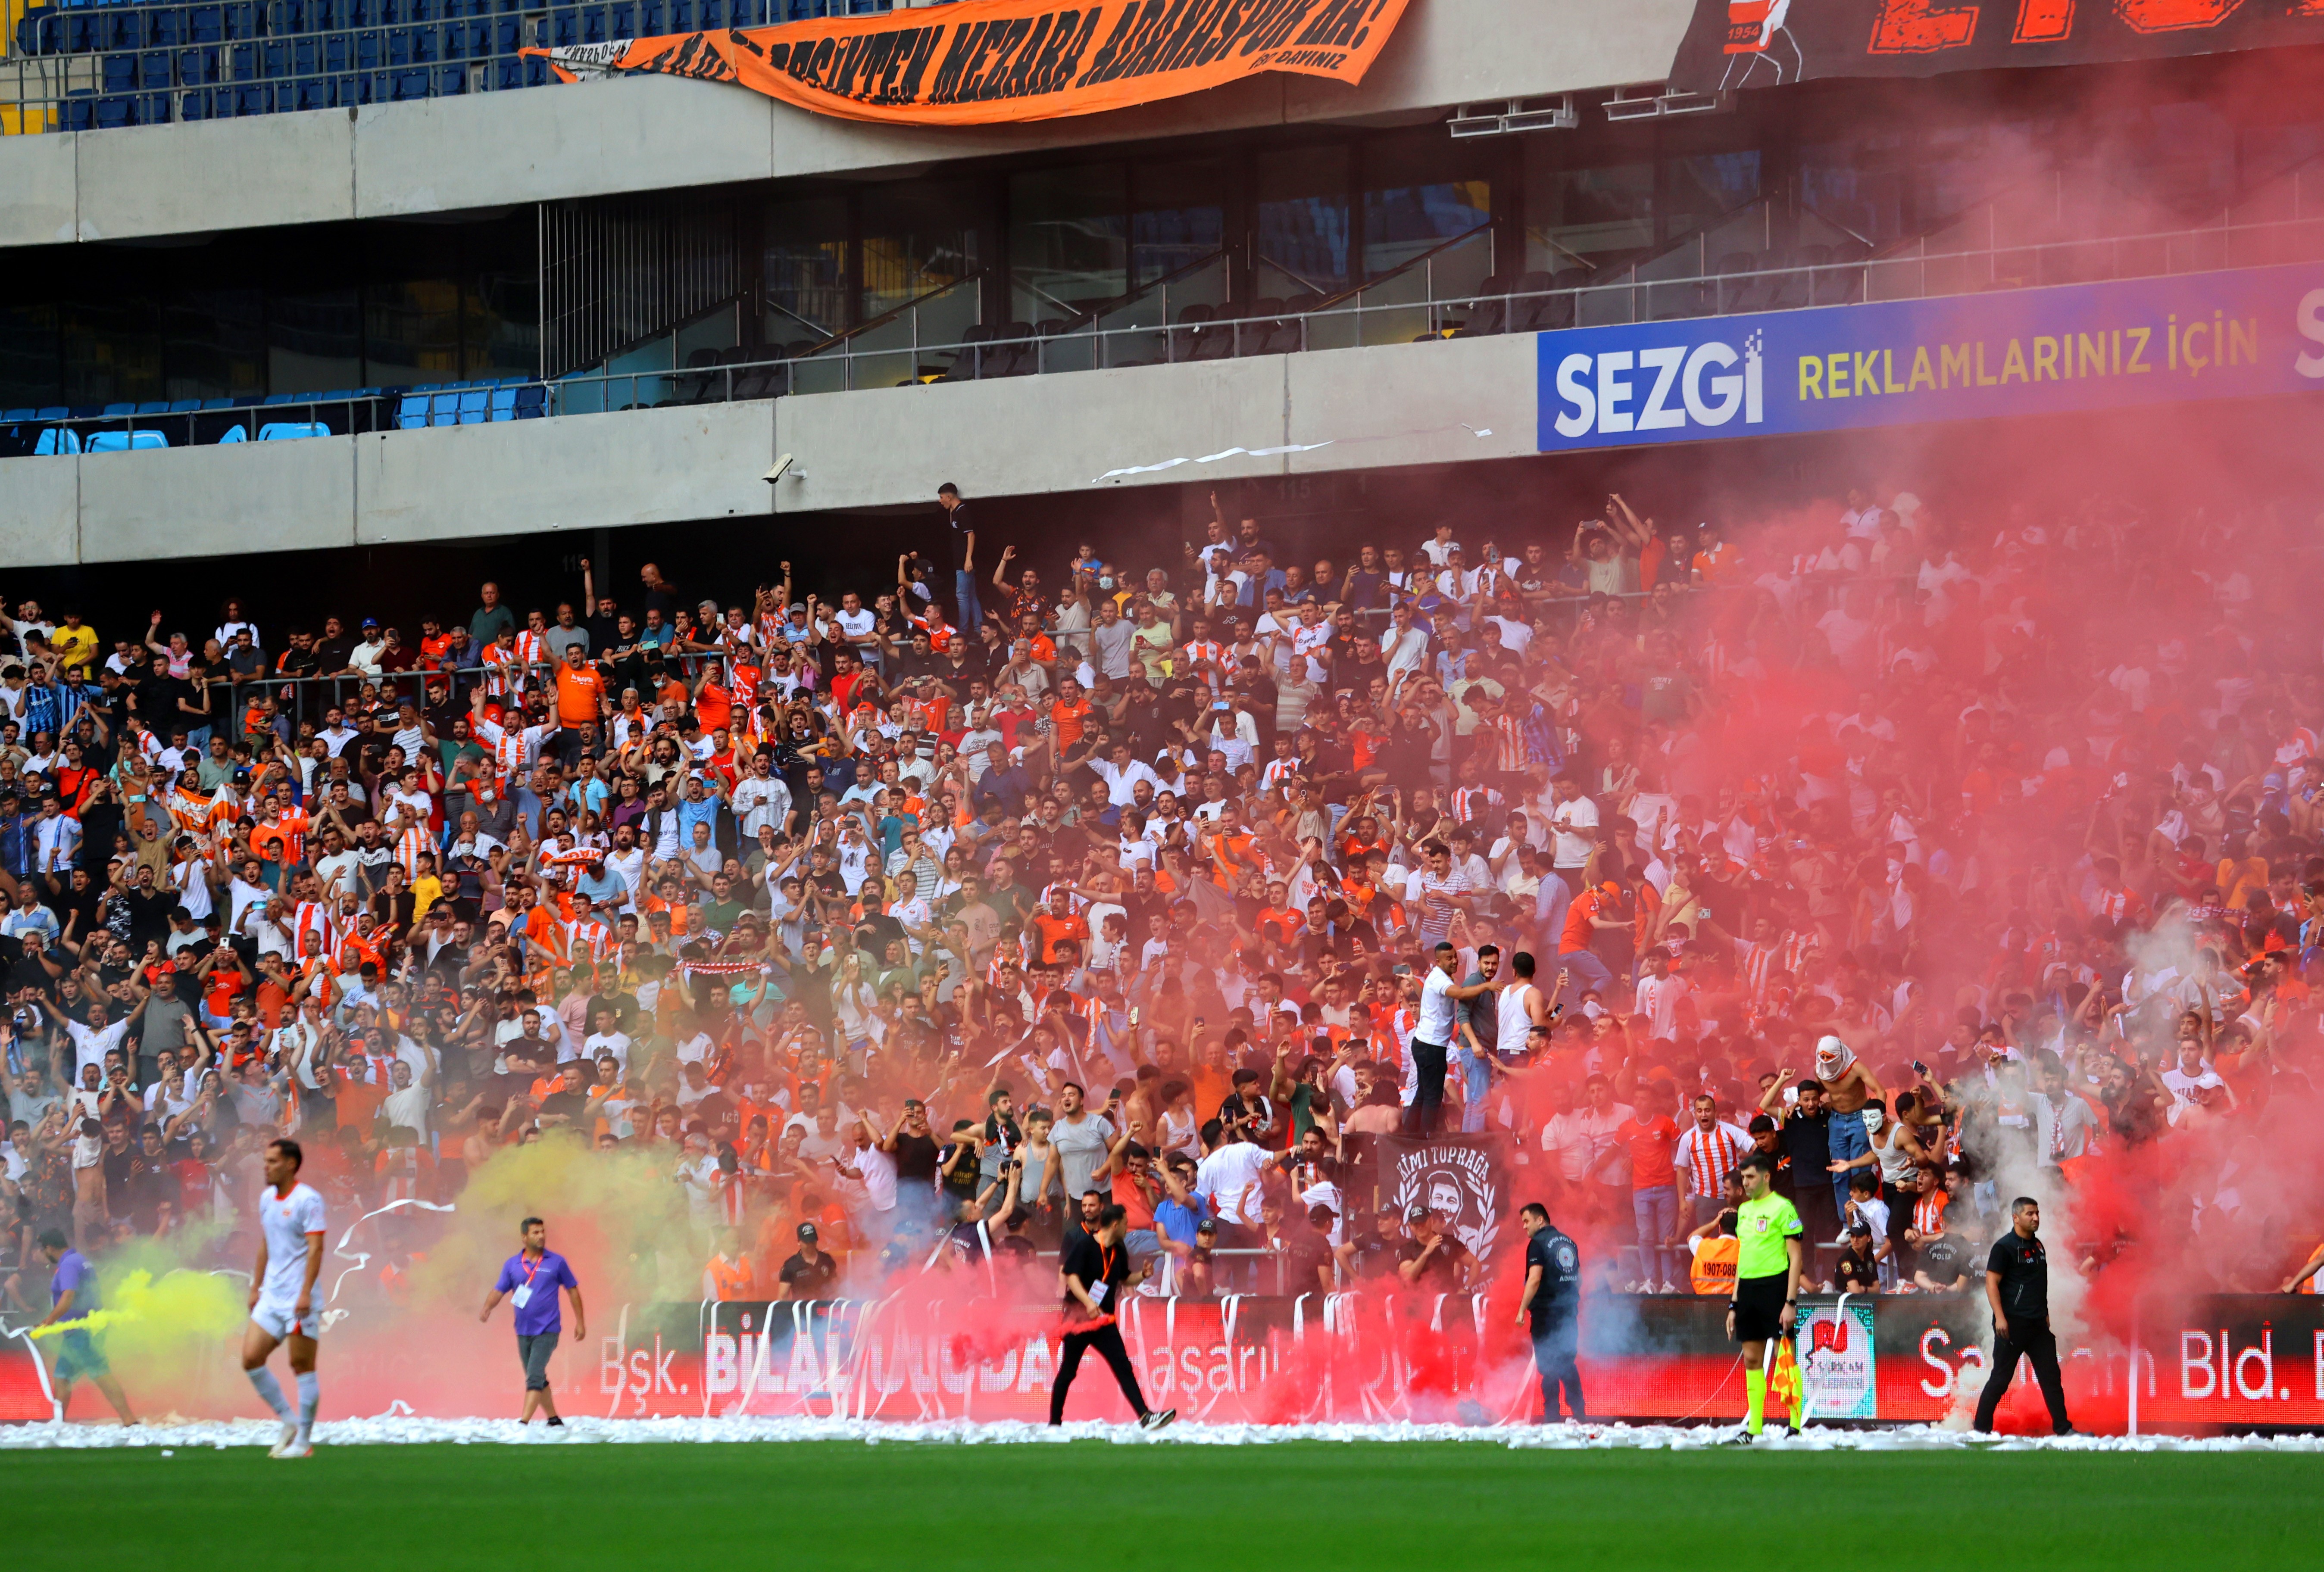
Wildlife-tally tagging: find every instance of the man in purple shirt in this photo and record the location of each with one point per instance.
(530, 1279)
(72, 1297)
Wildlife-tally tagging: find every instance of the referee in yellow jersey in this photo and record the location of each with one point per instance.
(1767, 1267)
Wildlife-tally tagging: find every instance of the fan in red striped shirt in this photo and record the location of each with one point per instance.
(1706, 1154)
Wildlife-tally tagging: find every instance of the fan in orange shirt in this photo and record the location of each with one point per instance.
(580, 691)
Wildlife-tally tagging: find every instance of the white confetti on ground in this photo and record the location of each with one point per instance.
(408, 1431)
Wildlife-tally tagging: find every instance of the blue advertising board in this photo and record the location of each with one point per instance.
(2228, 334)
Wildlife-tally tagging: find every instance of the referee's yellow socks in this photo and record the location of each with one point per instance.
(1755, 1383)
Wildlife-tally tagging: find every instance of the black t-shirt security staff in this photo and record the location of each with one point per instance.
(1558, 1298)
(1094, 1264)
(2024, 1267)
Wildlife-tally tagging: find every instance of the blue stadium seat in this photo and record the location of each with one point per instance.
(197, 68)
(165, 26)
(504, 404)
(113, 409)
(371, 51)
(206, 24)
(59, 439)
(274, 58)
(306, 57)
(621, 16)
(475, 407)
(565, 29)
(114, 111)
(217, 403)
(54, 412)
(412, 411)
(125, 441)
(291, 430)
(531, 401)
(241, 19)
(154, 406)
(153, 70)
(14, 416)
(444, 407)
(399, 46)
(234, 434)
(408, 85)
(185, 405)
(120, 72)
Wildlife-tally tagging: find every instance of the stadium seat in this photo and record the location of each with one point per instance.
(111, 410)
(234, 434)
(531, 401)
(474, 406)
(291, 430)
(125, 441)
(57, 439)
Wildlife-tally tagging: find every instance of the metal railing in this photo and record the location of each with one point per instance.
(1367, 316)
(174, 59)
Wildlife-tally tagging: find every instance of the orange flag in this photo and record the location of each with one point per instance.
(986, 61)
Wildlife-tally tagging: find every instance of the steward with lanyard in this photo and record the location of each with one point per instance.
(529, 1279)
(1095, 1270)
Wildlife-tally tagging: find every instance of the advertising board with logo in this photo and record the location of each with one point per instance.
(2242, 333)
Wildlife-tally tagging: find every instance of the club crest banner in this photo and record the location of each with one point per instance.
(991, 61)
(1766, 43)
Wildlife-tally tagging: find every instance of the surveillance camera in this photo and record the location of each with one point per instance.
(782, 467)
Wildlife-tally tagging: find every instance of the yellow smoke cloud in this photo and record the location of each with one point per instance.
(622, 1215)
(145, 1317)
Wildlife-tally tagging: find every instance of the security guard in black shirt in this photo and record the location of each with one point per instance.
(1550, 1307)
(2018, 1287)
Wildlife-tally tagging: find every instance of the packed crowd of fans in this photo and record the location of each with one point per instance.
(1011, 888)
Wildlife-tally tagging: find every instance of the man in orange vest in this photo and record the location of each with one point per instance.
(1716, 1248)
(729, 1275)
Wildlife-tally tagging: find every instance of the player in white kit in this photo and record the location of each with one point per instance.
(282, 1307)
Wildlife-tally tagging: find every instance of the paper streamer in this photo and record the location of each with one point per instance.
(1479, 432)
(360, 1258)
(1148, 469)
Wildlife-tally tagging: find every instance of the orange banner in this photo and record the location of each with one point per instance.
(982, 61)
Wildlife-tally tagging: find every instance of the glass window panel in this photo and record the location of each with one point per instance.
(1179, 219)
(113, 350)
(314, 342)
(919, 236)
(412, 334)
(1700, 186)
(501, 335)
(805, 268)
(1301, 240)
(1592, 215)
(30, 371)
(1417, 195)
(1857, 184)
(1068, 240)
(217, 345)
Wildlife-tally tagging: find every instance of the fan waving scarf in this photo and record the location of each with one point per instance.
(987, 61)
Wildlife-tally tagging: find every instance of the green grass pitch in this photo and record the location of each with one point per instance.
(838, 1506)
